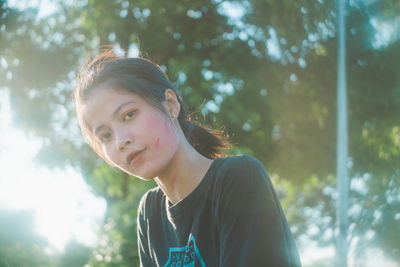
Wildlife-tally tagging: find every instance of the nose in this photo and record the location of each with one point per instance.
(124, 141)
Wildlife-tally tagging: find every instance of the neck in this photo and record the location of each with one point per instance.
(184, 173)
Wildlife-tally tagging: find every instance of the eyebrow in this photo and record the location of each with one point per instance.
(118, 109)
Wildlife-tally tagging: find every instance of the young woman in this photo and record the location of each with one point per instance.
(207, 210)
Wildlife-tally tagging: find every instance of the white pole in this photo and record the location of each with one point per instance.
(342, 172)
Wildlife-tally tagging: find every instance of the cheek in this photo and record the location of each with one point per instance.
(110, 154)
(164, 133)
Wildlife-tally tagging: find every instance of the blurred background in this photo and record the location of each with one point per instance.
(265, 70)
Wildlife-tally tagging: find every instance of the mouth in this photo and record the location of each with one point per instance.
(133, 156)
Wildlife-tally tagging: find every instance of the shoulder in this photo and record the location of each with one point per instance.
(148, 202)
(242, 162)
(243, 174)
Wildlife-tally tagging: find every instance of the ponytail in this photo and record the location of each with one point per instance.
(208, 142)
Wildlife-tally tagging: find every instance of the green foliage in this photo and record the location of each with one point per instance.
(19, 246)
(75, 255)
(118, 239)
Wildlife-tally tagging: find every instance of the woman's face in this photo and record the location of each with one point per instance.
(135, 136)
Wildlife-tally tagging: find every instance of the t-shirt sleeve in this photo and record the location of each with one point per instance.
(142, 236)
(252, 227)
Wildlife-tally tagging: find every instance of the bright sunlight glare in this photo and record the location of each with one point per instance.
(44, 7)
(63, 205)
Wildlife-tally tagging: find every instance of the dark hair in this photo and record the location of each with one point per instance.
(148, 80)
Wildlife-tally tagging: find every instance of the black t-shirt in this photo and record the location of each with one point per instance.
(232, 218)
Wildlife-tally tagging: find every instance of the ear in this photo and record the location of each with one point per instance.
(172, 103)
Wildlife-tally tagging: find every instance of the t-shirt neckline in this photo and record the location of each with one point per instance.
(190, 200)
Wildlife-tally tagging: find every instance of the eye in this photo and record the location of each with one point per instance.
(129, 115)
(105, 137)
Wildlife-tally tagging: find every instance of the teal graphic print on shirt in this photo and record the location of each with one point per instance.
(187, 256)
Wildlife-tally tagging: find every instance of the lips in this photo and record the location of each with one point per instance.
(133, 156)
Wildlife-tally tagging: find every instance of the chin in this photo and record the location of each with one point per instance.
(145, 178)
(141, 176)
